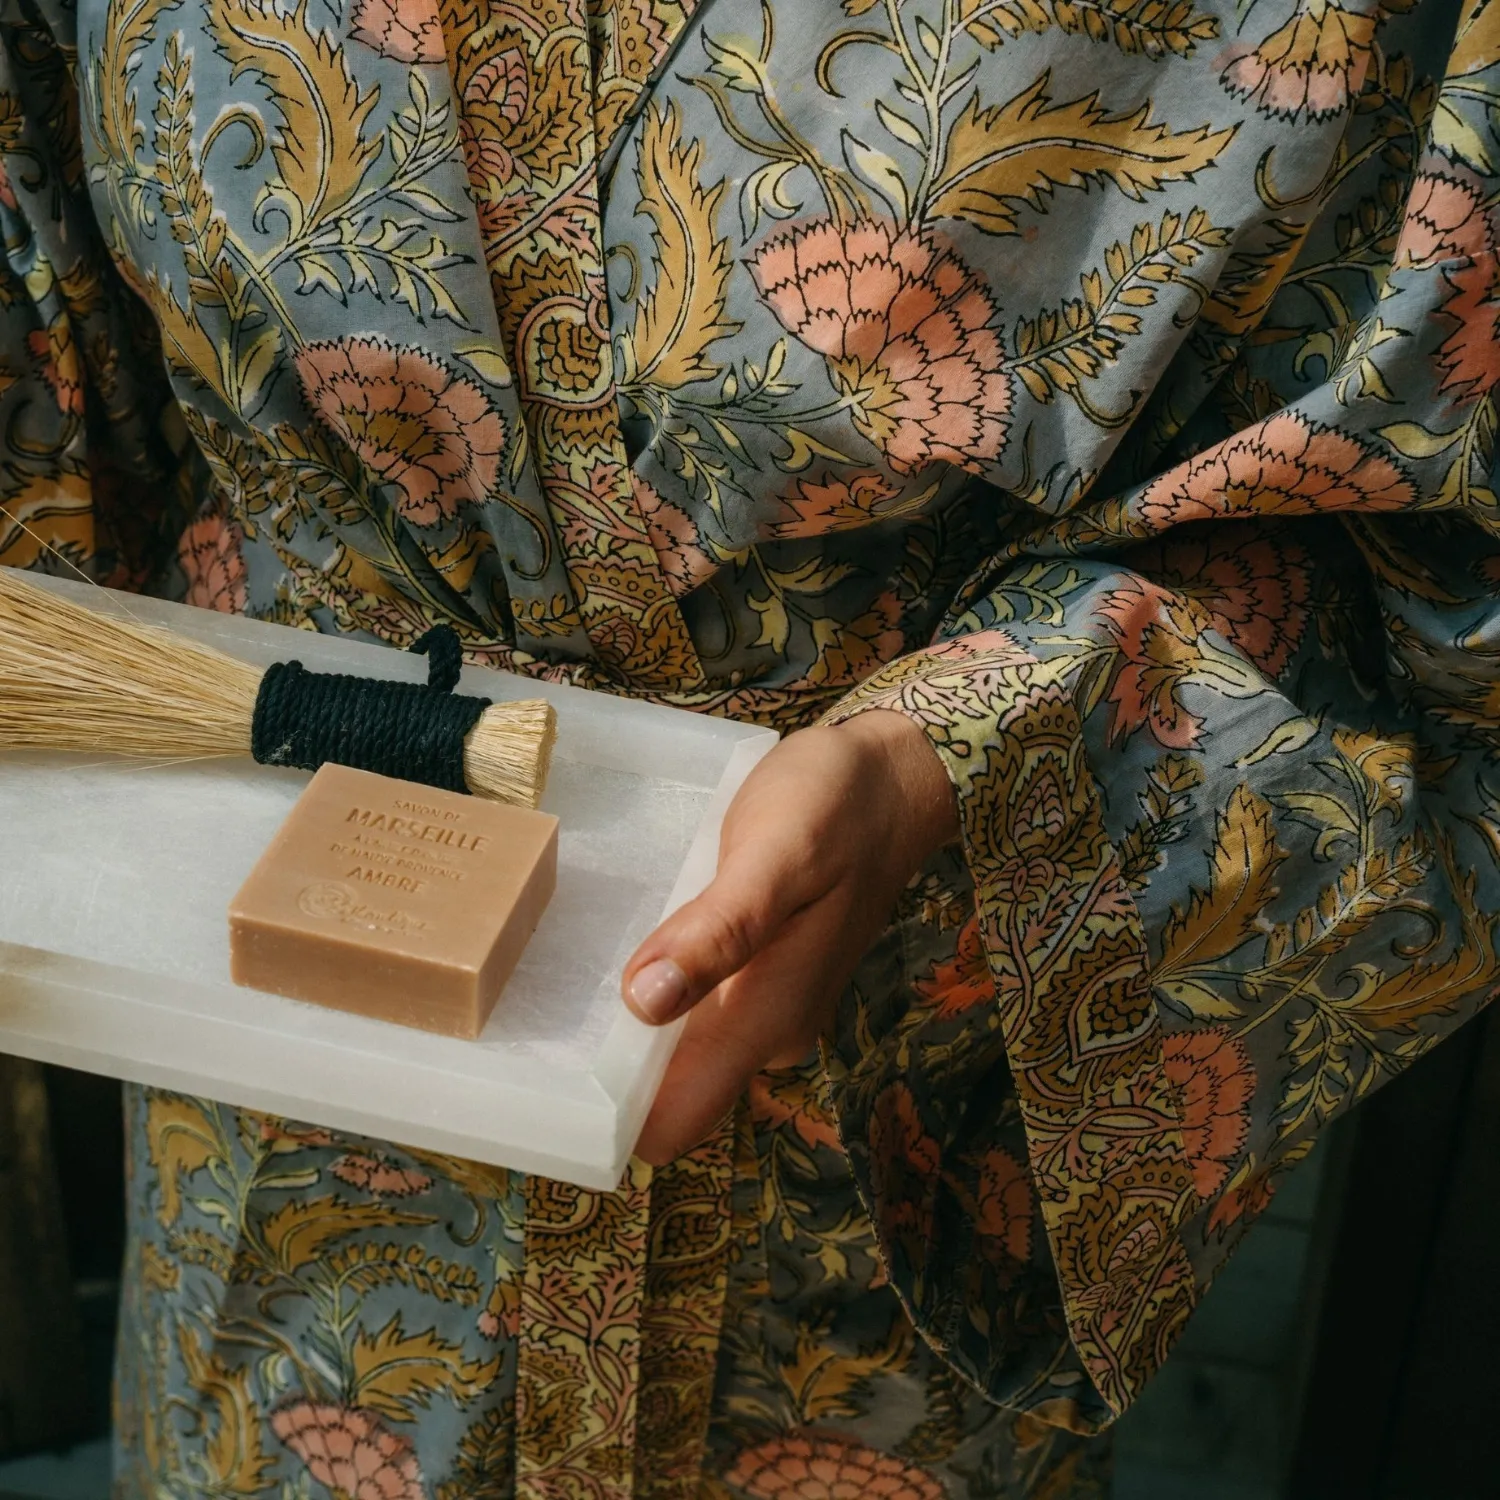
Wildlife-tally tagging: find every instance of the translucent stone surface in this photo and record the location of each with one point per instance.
(115, 878)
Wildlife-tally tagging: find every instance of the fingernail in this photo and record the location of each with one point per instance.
(659, 990)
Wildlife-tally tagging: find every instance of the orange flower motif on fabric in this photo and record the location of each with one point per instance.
(792, 1098)
(817, 1467)
(495, 96)
(209, 554)
(1470, 356)
(1248, 1200)
(1156, 635)
(848, 653)
(53, 348)
(284, 1137)
(412, 422)
(1316, 63)
(1285, 465)
(1445, 218)
(1448, 224)
(904, 325)
(1255, 589)
(815, 508)
(379, 1175)
(684, 563)
(7, 190)
(1006, 1204)
(1213, 1071)
(904, 1163)
(407, 30)
(350, 1452)
(958, 984)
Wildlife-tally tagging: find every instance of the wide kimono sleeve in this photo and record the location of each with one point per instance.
(90, 447)
(1224, 748)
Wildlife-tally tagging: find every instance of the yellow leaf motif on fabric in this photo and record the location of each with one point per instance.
(1372, 1022)
(1477, 40)
(237, 1464)
(1288, 738)
(158, 1273)
(297, 1232)
(1400, 1001)
(485, 1186)
(823, 1382)
(683, 314)
(1166, 803)
(1389, 562)
(12, 122)
(320, 154)
(53, 514)
(1217, 920)
(129, 30)
(1254, 274)
(186, 199)
(1388, 766)
(368, 1264)
(484, 1468)
(458, 561)
(395, 1373)
(1061, 349)
(188, 347)
(1474, 50)
(1358, 894)
(1150, 27)
(775, 623)
(181, 1140)
(1024, 150)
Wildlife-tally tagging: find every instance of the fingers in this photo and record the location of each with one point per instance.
(817, 845)
(713, 1058)
(760, 885)
(769, 1013)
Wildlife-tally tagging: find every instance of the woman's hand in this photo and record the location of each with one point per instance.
(819, 842)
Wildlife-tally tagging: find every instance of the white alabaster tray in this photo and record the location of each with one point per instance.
(115, 878)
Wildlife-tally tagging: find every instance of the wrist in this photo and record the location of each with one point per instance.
(923, 804)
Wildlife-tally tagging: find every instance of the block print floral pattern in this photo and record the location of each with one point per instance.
(429, 434)
(1111, 390)
(905, 328)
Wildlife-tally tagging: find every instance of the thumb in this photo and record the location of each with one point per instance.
(759, 886)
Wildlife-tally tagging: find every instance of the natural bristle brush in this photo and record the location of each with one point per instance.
(75, 679)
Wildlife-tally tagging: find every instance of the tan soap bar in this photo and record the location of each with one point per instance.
(394, 900)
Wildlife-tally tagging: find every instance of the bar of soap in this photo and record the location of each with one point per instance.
(394, 900)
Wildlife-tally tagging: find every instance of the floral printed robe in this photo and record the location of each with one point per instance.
(1109, 385)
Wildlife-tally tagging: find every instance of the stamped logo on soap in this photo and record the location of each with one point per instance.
(331, 900)
(388, 858)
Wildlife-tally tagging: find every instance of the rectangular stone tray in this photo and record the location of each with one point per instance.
(115, 877)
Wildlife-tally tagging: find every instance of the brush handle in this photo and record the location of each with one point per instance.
(400, 729)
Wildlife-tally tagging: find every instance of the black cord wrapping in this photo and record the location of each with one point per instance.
(399, 729)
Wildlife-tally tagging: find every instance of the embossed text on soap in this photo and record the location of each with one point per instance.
(431, 833)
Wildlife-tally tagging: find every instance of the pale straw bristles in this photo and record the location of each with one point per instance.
(509, 751)
(72, 679)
